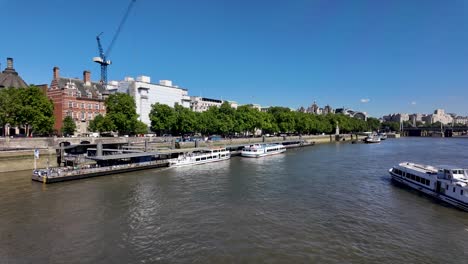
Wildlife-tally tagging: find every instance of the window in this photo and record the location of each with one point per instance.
(74, 104)
(461, 192)
(453, 189)
(90, 106)
(96, 106)
(428, 182)
(446, 187)
(82, 115)
(82, 106)
(78, 94)
(70, 104)
(418, 179)
(197, 159)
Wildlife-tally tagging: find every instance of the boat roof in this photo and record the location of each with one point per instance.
(424, 168)
(449, 167)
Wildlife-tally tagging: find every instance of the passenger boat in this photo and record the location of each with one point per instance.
(200, 157)
(446, 183)
(382, 136)
(372, 139)
(261, 150)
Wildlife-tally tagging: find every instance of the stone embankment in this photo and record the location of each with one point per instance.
(17, 153)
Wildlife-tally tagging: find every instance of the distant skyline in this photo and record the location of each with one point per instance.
(380, 57)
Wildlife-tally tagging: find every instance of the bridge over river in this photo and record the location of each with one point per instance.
(434, 131)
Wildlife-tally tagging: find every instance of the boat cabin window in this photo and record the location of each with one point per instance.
(453, 189)
(461, 192)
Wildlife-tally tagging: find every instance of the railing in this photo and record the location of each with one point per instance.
(58, 172)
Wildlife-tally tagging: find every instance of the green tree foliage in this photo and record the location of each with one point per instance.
(163, 118)
(392, 126)
(225, 120)
(68, 126)
(121, 111)
(185, 120)
(27, 107)
(140, 128)
(101, 124)
(373, 124)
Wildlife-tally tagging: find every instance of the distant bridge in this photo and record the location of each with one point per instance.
(434, 131)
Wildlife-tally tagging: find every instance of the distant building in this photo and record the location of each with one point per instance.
(352, 113)
(462, 120)
(146, 94)
(439, 116)
(80, 99)
(327, 110)
(313, 109)
(399, 117)
(9, 78)
(414, 118)
(201, 104)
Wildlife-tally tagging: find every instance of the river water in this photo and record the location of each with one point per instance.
(330, 203)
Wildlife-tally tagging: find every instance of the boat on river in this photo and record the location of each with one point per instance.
(372, 139)
(200, 157)
(382, 136)
(261, 150)
(445, 183)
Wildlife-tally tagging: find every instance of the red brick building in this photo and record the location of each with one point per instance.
(80, 99)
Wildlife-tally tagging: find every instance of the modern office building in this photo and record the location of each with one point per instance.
(146, 94)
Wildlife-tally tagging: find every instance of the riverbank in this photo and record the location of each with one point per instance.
(19, 160)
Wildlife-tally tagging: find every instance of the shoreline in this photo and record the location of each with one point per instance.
(23, 160)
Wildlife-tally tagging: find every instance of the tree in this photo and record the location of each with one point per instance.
(373, 124)
(121, 111)
(140, 128)
(68, 126)
(101, 124)
(185, 120)
(392, 126)
(162, 118)
(27, 107)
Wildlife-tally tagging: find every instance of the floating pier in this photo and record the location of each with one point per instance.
(125, 160)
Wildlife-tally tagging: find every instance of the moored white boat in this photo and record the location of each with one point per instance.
(372, 139)
(446, 183)
(201, 157)
(383, 136)
(261, 150)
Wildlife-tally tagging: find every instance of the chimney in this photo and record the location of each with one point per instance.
(56, 73)
(9, 63)
(87, 77)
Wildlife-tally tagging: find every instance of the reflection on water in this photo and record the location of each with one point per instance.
(329, 203)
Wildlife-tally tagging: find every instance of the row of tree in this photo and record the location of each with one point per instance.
(28, 108)
(225, 120)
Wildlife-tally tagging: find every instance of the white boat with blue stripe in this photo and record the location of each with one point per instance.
(261, 150)
(200, 156)
(446, 183)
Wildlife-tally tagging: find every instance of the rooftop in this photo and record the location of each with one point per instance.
(9, 78)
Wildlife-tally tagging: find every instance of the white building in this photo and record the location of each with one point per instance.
(439, 116)
(147, 94)
(399, 117)
(201, 104)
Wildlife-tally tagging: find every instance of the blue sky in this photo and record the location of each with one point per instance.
(403, 56)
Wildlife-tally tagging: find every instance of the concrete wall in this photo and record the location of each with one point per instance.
(24, 160)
